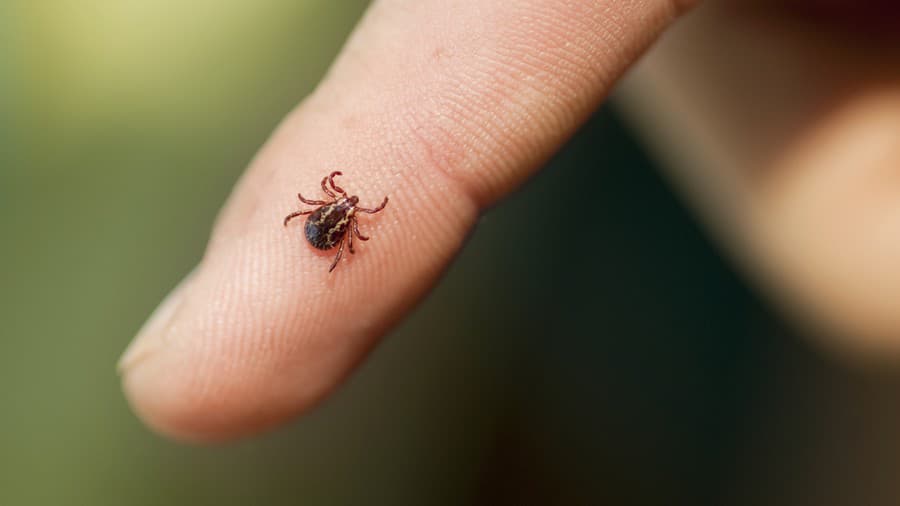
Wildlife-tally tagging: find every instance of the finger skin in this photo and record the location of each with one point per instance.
(441, 106)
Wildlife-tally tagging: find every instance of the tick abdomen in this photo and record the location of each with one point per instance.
(327, 225)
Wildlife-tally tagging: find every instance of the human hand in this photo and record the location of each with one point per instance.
(780, 119)
(443, 106)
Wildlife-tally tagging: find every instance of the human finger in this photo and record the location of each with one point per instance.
(443, 107)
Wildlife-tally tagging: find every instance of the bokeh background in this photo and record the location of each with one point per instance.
(632, 366)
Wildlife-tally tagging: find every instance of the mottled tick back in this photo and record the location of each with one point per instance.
(333, 223)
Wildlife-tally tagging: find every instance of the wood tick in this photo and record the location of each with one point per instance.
(332, 223)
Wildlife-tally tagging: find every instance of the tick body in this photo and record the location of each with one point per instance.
(333, 222)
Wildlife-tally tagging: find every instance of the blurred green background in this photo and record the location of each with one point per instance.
(629, 367)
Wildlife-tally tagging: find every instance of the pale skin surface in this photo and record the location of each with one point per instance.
(443, 106)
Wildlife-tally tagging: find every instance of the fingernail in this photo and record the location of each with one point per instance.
(151, 337)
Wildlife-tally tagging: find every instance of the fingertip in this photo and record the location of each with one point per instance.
(184, 405)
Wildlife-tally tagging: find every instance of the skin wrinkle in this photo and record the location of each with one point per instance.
(253, 282)
(213, 320)
(494, 95)
(230, 313)
(425, 152)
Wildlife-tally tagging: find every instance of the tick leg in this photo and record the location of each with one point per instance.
(337, 258)
(325, 188)
(312, 202)
(356, 231)
(294, 215)
(350, 241)
(331, 180)
(373, 211)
